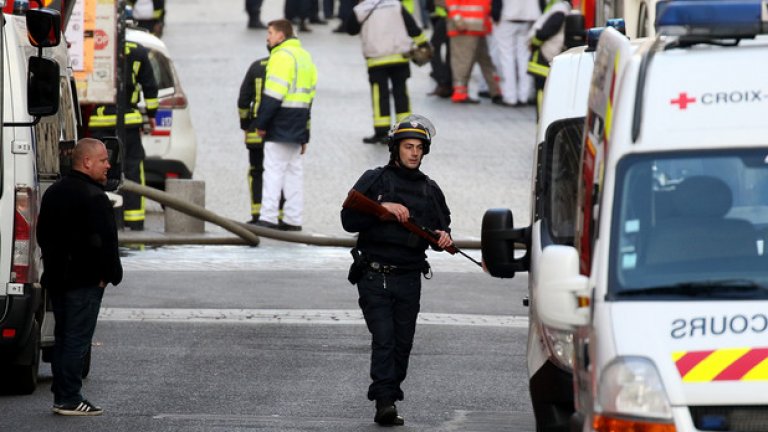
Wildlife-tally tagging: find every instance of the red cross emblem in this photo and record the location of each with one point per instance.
(683, 100)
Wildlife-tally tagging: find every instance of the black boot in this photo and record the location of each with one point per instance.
(386, 414)
(375, 139)
(303, 27)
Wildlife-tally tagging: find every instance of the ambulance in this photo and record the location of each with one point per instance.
(553, 208)
(665, 290)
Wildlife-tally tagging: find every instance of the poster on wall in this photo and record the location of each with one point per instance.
(92, 35)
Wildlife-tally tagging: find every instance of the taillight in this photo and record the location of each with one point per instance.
(178, 100)
(9, 333)
(171, 175)
(22, 265)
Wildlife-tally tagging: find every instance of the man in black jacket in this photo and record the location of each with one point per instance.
(78, 236)
(392, 259)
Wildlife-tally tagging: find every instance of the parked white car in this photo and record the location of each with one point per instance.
(171, 148)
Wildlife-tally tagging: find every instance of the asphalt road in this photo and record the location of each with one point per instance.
(238, 339)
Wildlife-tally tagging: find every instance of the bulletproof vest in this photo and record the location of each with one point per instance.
(411, 189)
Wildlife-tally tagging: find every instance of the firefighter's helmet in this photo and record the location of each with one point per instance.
(413, 126)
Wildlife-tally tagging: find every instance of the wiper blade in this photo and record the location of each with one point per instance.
(699, 288)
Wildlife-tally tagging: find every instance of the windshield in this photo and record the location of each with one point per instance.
(691, 224)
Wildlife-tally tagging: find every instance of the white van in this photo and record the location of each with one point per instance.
(37, 134)
(666, 289)
(553, 209)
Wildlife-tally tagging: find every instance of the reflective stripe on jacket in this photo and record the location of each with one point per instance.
(250, 98)
(388, 31)
(547, 37)
(140, 79)
(469, 17)
(289, 88)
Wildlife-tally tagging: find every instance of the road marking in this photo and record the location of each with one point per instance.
(297, 316)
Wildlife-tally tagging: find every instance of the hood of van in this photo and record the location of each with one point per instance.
(707, 352)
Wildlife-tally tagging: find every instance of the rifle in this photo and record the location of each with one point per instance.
(357, 201)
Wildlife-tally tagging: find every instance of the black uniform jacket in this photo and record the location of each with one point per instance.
(77, 233)
(388, 242)
(250, 93)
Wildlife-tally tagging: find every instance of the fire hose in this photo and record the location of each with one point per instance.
(248, 233)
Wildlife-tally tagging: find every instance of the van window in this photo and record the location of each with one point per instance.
(162, 68)
(690, 217)
(558, 178)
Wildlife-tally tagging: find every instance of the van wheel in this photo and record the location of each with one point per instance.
(23, 378)
(87, 363)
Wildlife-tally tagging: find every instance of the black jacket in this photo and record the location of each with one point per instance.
(249, 98)
(389, 242)
(77, 233)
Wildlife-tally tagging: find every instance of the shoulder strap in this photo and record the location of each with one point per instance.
(379, 172)
(370, 13)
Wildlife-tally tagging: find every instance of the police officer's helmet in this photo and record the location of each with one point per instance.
(413, 126)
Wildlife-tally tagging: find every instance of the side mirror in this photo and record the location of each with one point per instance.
(563, 293)
(42, 87)
(43, 27)
(115, 173)
(497, 242)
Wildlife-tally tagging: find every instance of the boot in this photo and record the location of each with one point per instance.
(386, 414)
(460, 96)
(303, 27)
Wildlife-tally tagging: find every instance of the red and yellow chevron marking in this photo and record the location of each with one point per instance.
(728, 364)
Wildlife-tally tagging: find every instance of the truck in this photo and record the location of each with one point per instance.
(38, 111)
(665, 289)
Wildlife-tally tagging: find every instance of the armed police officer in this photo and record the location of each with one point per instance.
(391, 259)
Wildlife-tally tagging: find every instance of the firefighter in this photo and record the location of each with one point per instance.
(469, 22)
(138, 78)
(388, 31)
(546, 40)
(248, 105)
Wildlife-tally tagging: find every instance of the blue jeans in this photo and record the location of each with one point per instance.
(390, 305)
(75, 311)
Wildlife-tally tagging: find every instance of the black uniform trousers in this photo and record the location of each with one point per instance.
(253, 8)
(441, 62)
(133, 168)
(298, 9)
(390, 304)
(380, 78)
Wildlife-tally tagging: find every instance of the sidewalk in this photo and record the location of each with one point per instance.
(481, 155)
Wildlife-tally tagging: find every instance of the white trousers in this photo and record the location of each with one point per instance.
(283, 171)
(512, 41)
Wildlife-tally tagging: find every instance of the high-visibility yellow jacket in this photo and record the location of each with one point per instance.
(289, 88)
(139, 78)
(250, 98)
